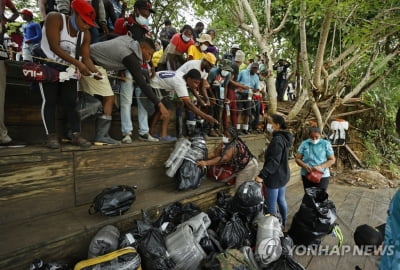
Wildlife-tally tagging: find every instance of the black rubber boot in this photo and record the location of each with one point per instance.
(103, 124)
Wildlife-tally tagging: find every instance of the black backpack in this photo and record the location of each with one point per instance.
(113, 201)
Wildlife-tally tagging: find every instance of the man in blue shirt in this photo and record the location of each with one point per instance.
(249, 78)
(32, 34)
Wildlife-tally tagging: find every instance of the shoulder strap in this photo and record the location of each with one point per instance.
(78, 45)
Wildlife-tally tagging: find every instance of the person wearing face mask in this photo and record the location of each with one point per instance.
(233, 151)
(173, 58)
(197, 51)
(130, 55)
(219, 78)
(275, 173)
(142, 10)
(315, 153)
(60, 34)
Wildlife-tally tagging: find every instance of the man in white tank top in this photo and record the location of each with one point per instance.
(59, 43)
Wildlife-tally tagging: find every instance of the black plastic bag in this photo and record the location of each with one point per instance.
(189, 210)
(234, 234)
(168, 215)
(87, 105)
(315, 218)
(153, 252)
(113, 201)
(207, 245)
(189, 175)
(248, 200)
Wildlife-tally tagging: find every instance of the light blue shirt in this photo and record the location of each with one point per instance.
(315, 154)
(247, 79)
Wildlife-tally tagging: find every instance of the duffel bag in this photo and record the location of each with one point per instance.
(224, 173)
(122, 259)
(113, 201)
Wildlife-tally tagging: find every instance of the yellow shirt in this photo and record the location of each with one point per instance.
(195, 53)
(156, 57)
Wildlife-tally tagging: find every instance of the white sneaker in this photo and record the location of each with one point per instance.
(5, 139)
(148, 138)
(127, 139)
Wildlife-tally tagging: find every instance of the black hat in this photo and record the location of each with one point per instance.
(144, 4)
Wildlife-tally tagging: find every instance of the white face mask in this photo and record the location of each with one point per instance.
(269, 128)
(203, 47)
(315, 141)
(142, 20)
(224, 73)
(225, 139)
(185, 38)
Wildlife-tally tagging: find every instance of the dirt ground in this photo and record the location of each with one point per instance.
(365, 178)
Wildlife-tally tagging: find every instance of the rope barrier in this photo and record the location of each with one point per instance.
(110, 75)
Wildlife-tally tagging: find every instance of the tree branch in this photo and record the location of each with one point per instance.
(283, 22)
(319, 58)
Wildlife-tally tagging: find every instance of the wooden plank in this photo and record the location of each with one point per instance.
(72, 230)
(88, 186)
(31, 189)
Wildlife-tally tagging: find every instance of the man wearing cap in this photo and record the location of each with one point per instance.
(249, 78)
(197, 51)
(60, 35)
(173, 81)
(218, 78)
(32, 34)
(232, 53)
(64, 6)
(204, 66)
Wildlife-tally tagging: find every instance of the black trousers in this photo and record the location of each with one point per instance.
(64, 93)
(322, 184)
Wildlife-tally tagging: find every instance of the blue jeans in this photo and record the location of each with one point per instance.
(125, 96)
(275, 195)
(143, 116)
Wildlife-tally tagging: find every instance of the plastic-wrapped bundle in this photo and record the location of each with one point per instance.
(268, 247)
(176, 158)
(199, 225)
(184, 250)
(105, 241)
(248, 200)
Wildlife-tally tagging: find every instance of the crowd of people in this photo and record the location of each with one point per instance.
(156, 70)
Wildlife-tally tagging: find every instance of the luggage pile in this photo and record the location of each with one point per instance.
(233, 234)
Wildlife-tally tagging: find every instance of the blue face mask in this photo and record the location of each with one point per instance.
(142, 20)
(73, 22)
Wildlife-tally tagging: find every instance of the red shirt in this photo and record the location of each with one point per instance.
(4, 4)
(180, 45)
